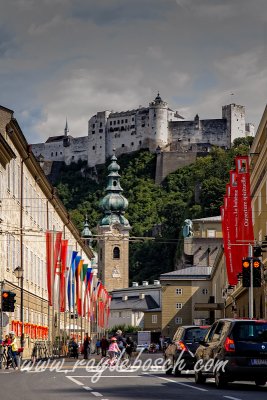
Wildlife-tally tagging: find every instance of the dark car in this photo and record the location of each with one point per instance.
(233, 349)
(180, 354)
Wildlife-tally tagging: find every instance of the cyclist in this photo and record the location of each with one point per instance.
(113, 350)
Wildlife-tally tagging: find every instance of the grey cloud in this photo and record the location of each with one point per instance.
(72, 58)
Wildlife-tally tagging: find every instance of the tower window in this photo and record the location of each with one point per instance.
(116, 253)
(52, 154)
(93, 147)
(132, 143)
(122, 145)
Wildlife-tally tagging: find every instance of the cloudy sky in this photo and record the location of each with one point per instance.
(71, 58)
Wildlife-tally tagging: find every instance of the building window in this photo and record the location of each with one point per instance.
(126, 120)
(179, 306)
(72, 157)
(116, 253)
(100, 130)
(154, 319)
(101, 124)
(93, 132)
(178, 320)
(132, 118)
(61, 152)
(122, 145)
(140, 142)
(204, 291)
(110, 123)
(179, 291)
(93, 125)
(211, 233)
(132, 143)
(93, 147)
(52, 154)
(118, 122)
(56, 153)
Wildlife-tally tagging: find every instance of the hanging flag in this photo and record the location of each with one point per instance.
(232, 276)
(78, 285)
(245, 225)
(49, 265)
(57, 269)
(64, 255)
(71, 285)
(67, 277)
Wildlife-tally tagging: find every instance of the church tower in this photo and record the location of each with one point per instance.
(113, 255)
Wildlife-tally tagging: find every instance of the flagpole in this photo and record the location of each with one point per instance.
(59, 267)
(53, 294)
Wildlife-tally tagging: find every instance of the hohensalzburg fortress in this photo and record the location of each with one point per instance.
(156, 127)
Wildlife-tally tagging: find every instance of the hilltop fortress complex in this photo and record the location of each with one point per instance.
(157, 127)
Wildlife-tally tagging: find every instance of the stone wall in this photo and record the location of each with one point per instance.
(169, 162)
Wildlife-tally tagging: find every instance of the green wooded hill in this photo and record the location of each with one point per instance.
(194, 191)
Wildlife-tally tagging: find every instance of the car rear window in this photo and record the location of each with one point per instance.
(250, 331)
(195, 334)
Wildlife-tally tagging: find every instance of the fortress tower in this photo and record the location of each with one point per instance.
(235, 117)
(158, 123)
(113, 256)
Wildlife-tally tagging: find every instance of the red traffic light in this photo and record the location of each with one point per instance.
(5, 295)
(246, 264)
(256, 264)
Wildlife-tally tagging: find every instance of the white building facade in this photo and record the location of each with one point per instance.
(28, 208)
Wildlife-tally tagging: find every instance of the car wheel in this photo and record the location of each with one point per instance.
(220, 380)
(260, 382)
(199, 377)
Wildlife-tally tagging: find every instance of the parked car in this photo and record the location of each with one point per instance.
(183, 347)
(241, 345)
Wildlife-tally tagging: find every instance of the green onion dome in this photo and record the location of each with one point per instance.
(114, 203)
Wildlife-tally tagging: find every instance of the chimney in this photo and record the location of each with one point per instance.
(141, 296)
(156, 282)
(134, 284)
(145, 283)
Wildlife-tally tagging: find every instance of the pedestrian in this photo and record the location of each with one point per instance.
(14, 351)
(129, 347)
(7, 350)
(120, 340)
(161, 342)
(98, 346)
(86, 347)
(104, 346)
(73, 348)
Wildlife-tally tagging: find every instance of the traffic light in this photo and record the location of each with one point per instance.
(256, 272)
(257, 251)
(246, 272)
(8, 301)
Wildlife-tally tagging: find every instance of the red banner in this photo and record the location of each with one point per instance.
(245, 226)
(49, 263)
(64, 252)
(228, 247)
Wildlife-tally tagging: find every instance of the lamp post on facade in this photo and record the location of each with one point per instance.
(19, 275)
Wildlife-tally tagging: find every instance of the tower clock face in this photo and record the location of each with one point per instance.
(116, 272)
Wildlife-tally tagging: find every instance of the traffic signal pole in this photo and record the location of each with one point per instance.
(251, 292)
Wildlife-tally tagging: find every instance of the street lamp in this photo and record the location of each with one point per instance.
(19, 275)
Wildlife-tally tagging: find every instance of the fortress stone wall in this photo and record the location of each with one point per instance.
(156, 127)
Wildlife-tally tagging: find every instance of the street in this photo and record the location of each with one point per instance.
(86, 382)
